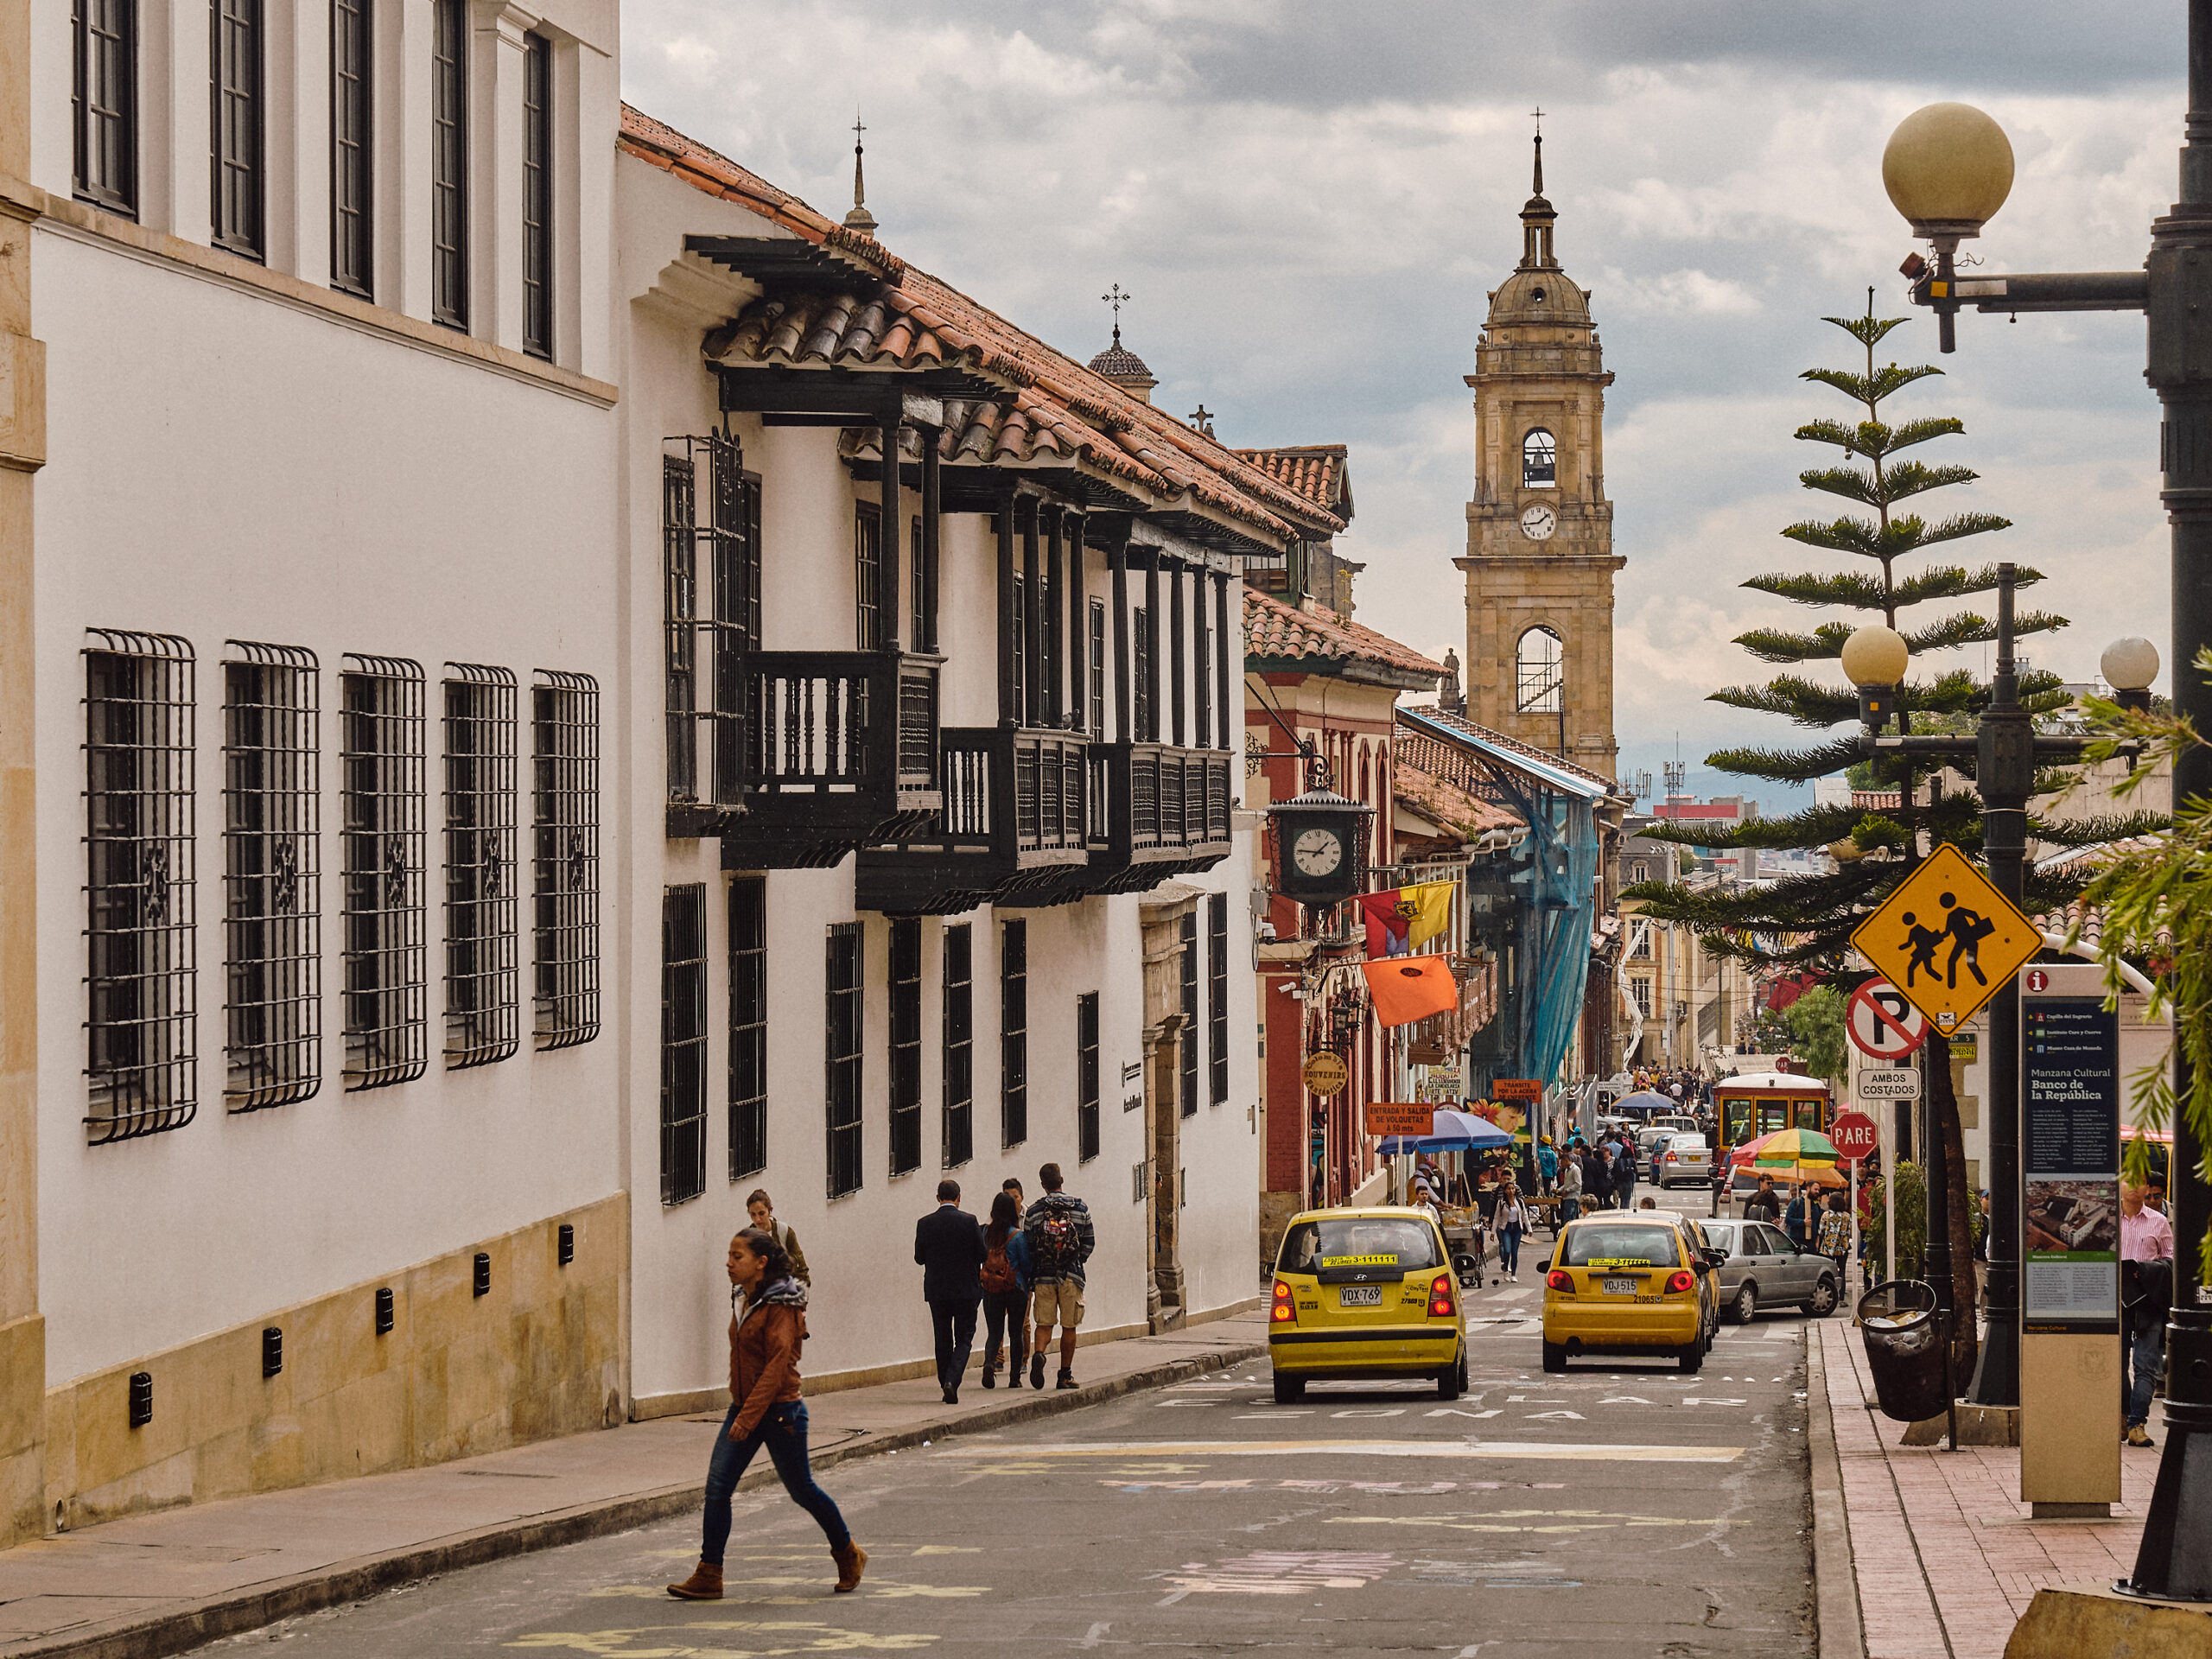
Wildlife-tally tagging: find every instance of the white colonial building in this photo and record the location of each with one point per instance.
(490, 779)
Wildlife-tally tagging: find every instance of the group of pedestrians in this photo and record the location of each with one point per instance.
(1023, 1268)
(1590, 1177)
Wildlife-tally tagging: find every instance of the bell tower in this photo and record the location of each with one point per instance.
(1539, 558)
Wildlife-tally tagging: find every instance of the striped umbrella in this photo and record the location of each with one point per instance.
(1794, 1147)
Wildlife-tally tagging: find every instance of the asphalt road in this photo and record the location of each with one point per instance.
(1603, 1515)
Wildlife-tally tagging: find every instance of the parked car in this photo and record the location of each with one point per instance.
(1764, 1269)
(1681, 1156)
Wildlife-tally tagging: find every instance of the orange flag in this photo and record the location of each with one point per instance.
(1407, 989)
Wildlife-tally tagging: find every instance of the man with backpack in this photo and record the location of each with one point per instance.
(1060, 1237)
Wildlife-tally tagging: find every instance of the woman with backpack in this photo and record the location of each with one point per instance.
(766, 1327)
(1006, 1290)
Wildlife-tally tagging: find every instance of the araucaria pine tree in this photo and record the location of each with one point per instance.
(1806, 921)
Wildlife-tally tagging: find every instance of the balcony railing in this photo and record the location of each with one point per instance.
(816, 753)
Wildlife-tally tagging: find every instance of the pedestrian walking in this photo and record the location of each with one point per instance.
(1570, 1186)
(949, 1248)
(1060, 1238)
(1597, 1178)
(1832, 1237)
(1797, 1216)
(767, 1327)
(1012, 1188)
(1625, 1170)
(762, 1209)
(1762, 1205)
(1512, 1222)
(1005, 1274)
(1548, 1164)
(2146, 1291)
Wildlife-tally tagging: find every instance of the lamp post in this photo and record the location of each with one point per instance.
(2005, 752)
(1935, 165)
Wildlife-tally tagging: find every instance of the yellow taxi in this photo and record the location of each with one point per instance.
(1365, 1293)
(1631, 1282)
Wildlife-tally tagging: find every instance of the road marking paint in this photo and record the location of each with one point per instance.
(1091, 1636)
(1700, 1400)
(1441, 1411)
(1281, 1572)
(1538, 1416)
(1623, 1400)
(1446, 1449)
(796, 1636)
(1378, 1411)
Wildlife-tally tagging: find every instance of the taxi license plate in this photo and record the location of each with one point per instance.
(1360, 1296)
(1622, 1287)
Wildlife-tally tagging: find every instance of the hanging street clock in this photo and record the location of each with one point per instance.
(1320, 842)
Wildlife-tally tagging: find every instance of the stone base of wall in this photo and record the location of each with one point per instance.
(459, 1373)
(22, 1429)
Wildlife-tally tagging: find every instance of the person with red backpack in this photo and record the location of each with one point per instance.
(1005, 1274)
(1060, 1238)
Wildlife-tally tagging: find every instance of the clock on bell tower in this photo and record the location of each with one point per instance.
(1540, 559)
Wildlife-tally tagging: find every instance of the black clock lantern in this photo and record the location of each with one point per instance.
(1321, 847)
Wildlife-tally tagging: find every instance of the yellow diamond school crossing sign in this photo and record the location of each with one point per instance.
(1948, 939)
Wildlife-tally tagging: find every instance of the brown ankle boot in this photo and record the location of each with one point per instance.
(705, 1584)
(852, 1561)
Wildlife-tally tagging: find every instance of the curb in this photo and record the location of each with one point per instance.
(1835, 1581)
(197, 1623)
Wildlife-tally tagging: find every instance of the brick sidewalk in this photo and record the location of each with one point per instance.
(1945, 1557)
(157, 1584)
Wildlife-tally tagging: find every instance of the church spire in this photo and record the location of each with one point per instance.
(860, 218)
(1537, 217)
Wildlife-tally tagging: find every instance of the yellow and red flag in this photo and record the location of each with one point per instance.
(1404, 918)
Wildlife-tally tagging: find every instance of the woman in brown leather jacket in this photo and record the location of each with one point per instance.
(767, 1323)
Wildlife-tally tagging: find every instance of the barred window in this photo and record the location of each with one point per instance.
(867, 576)
(449, 164)
(1097, 666)
(959, 1045)
(564, 846)
(1187, 1059)
(1086, 1077)
(1013, 1032)
(353, 147)
(748, 1026)
(682, 1043)
(104, 102)
(679, 520)
(272, 875)
(710, 533)
(380, 757)
(482, 985)
(235, 56)
(1141, 674)
(906, 1044)
(141, 961)
(732, 541)
(843, 963)
(538, 195)
(1202, 665)
(1218, 995)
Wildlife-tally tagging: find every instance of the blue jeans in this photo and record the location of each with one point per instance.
(2142, 1354)
(1568, 1209)
(783, 1431)
(1509, 1249)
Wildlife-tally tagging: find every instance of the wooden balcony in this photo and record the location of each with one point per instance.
(1019, 825)
(816, 753)
(1166, 814)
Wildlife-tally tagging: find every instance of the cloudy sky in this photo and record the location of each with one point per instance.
(1310, 201)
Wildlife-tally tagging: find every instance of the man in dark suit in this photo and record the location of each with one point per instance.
(948, 1245)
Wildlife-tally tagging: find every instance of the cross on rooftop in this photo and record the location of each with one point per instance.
(1114, 297)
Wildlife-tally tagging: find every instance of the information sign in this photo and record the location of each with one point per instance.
(1516, 1088)
(1387, 1117)
(1898, 1082)
(2070, 1161)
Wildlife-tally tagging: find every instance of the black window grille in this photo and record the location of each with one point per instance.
(104, 103)
(920, 620)
(748, 1026)
(234, 81)
(906, 1044)
(1098, 689)
(449, 163)
(867, 576)
(141, 959)
(1013, 1032)
(272, 875)
(959, 1045)
(1141, 673)
(482, 985)
(683, 1042)
(732, 541)
(1086, 1077)
(844, 962)
(1187, 1060)
(1217, 996)
(1022, 650)
(680, 565)
(380, 758)
(353, 147)
(1202, 665)
(564, 857)
(538, 195)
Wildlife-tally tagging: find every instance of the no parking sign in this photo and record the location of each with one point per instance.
(1883, 1023)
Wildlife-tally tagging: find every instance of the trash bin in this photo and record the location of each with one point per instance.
(1904, 1350)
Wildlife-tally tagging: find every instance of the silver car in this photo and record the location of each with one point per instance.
(1764, 1269)
(1681, 1156)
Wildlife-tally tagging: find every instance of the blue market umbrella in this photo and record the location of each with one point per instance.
(1645, 1103)
(1450, 1132)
